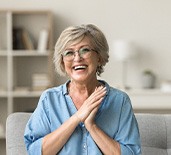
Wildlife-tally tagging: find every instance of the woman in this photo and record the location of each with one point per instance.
(85, 115)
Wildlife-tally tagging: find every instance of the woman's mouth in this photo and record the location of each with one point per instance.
(81, 67)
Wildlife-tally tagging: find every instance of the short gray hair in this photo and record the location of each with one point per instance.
(74, 34)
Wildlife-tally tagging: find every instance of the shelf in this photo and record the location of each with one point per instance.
(154, 100)
(30, 53)
(147, 92)
(4, 94)
(151, 106)
(22, 94)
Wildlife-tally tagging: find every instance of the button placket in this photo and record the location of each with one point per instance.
(84, 131)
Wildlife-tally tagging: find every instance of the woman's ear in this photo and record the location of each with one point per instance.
(99, 61)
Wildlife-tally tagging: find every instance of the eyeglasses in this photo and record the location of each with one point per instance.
(84, 52)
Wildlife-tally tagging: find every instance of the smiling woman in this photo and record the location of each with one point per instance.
(85, 115)
(74, 35)
(80, 62)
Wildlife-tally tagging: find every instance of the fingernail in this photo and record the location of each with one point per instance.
(104, 88)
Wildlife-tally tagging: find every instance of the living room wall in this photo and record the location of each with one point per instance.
(146, 23)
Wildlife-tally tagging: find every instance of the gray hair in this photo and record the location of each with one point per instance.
(74, 34)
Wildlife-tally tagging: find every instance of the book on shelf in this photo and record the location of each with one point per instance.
(40, 82)
(28, 40)
(18, 43)
(22, 40)
(43, 41)
(21, 89)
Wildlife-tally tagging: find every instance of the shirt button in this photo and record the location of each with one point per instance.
(84, 146)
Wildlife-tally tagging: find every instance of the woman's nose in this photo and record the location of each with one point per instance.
(77, 56)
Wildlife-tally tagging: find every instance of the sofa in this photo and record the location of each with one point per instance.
(155, 132)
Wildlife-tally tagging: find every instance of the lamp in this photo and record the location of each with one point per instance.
(123, 51)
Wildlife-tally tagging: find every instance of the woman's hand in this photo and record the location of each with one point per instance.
(91, 104)
(89, 121)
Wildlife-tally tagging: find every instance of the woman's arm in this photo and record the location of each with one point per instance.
(106, 144)
(53, 142)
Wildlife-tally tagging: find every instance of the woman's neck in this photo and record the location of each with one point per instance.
(79, 92)
(83, 88)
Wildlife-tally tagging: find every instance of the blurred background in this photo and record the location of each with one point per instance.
(139, 37)
(146, 23)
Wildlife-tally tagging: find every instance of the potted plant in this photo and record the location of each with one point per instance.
(148, 79)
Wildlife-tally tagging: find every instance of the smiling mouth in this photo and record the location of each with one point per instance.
(80, 67)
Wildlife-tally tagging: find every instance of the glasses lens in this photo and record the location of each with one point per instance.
(84, 52)
(68, 55)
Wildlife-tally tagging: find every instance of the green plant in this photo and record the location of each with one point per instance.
(147, 71)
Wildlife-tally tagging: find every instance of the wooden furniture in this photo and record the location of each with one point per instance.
(26, 45)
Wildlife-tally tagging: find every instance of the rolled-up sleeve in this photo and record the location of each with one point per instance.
(37, 127)
(128, 132)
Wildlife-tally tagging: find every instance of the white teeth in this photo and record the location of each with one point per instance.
(79, 67)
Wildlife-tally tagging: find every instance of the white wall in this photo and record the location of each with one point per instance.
(147, 23)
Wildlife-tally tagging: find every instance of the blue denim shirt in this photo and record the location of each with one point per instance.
(115, 117)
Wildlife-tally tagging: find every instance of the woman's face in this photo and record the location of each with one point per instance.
(83, 65)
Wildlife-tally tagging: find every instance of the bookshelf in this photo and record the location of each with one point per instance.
(21, 58)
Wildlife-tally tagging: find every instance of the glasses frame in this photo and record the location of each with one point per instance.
(79, 53)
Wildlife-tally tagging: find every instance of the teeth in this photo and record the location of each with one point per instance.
(79, 67)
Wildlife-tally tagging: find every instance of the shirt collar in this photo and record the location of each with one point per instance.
(65, 87)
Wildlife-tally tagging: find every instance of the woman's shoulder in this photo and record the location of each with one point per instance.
(56, 90)
(113, 90)
(118, 91)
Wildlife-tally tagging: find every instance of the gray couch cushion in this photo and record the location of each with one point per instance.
(153, 151)
(168, 125)
(155, 134)
(15, 126)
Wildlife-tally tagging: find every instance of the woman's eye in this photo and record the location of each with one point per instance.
(68, 53)
(84, 50)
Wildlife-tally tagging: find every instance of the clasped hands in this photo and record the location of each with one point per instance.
(88, 110)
